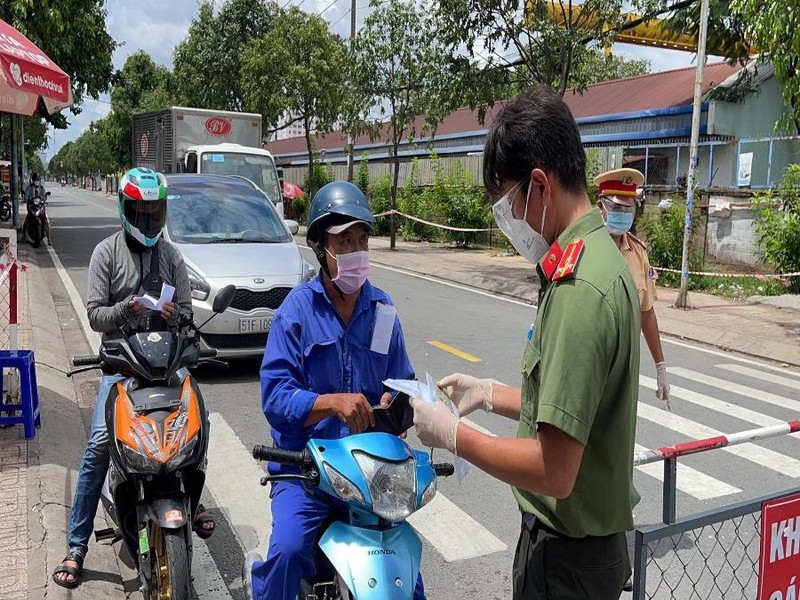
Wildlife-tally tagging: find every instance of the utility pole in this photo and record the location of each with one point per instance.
(683, 295)
(350, 140)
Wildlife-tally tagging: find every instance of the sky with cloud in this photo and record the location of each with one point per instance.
(157, 27)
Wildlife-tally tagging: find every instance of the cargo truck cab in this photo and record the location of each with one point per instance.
(255, 164)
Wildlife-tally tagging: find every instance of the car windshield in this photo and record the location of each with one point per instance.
(258, 169)
(217, 212)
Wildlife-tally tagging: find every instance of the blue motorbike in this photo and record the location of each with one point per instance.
(370, 553)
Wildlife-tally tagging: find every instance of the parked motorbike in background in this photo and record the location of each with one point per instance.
(36, 226)
(158, 440)
(370, 552)
(5, 207)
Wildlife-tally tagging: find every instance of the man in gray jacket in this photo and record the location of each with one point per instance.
(127, 264)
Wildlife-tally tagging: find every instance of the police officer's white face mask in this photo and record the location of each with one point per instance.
(526, 240)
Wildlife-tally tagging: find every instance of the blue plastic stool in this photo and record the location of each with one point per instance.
(23, 361)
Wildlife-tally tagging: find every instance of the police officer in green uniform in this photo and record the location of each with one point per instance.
(571, 463)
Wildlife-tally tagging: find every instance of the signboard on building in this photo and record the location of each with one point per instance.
(779, 563)
(745, 168)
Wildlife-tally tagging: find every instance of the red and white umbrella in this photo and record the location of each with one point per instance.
(291, 190)
(27, 74)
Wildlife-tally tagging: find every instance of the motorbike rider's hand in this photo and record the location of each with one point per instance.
(467, 393)
(137, 308)
(355, 410)
(169, 312)
(436, 426)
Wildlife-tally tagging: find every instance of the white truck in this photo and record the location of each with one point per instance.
(195, 140)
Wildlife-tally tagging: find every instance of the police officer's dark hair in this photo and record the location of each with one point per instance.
(537, 130)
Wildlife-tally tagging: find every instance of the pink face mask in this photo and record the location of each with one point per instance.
(353, 268)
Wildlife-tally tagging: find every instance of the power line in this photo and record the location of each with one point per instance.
(326, 8)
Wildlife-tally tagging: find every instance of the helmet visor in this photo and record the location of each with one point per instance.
(147, 217)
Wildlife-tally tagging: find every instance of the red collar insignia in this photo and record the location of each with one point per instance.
(569, 260)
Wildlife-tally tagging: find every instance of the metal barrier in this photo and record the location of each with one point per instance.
(713, 554)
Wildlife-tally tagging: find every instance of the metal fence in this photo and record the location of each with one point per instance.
(713, 554)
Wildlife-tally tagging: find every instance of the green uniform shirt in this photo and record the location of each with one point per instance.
(580, 373)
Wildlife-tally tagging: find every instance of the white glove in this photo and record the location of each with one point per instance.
(467, 393)
(435, 424)
(662, 385)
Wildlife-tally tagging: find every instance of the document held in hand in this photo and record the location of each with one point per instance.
(167, 292)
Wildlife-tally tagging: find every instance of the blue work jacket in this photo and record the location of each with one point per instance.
(310, 352)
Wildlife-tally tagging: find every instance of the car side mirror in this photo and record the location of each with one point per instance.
(223, 299)
(293, 226)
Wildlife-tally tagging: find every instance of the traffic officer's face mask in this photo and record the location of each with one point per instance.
(618, 218)
(352, 270)
(526, 240)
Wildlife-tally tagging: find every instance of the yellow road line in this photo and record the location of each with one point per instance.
(456, 351)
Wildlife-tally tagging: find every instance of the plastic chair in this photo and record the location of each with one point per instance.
(24, 362)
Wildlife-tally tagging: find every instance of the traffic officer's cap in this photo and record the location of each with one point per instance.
(620, 185)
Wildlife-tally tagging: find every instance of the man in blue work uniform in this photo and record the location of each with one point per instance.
(322, 373)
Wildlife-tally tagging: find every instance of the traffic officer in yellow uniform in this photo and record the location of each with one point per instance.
(571, 463)
(618, 191)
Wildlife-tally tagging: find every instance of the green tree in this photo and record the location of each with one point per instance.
(141, 85)
(398, 66)
(599, 67)
(296, 72)
(207, 62)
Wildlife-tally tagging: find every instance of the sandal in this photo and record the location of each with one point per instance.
(74, 572)
(201, 522)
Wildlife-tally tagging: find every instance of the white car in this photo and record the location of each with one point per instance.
(230, 233)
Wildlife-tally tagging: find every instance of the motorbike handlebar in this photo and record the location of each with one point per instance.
(83, 361)
(279, 455)
(443, 469)
(208, 353)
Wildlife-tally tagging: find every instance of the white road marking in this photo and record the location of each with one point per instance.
(726, 408)
(206, 579)
(729, 355)
(690, 481)
(233, 477)
(736, 388)
(764, 457)
(756, 374)
(75, 299)
(454, 534)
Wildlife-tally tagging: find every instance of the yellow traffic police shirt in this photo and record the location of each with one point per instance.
(644, 276)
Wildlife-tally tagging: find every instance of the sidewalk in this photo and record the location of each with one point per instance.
(769, 329)
(37, 478)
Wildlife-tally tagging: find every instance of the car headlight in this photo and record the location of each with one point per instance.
(392, 485)
(309, 272)
(345, 488)
(200, 289)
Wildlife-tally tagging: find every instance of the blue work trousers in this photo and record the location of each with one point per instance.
(296, 519)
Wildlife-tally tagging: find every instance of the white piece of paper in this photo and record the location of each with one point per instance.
(385, 315)
(167, 292)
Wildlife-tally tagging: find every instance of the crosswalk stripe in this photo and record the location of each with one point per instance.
(454, 534)
(756, 374)
(726, 408)
(689, 480)
(736, 388)
(233, 477)
(207, 581)
(763, 457)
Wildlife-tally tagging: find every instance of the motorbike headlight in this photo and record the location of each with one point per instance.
(198, 285)
(392, 485)
(183, 455)
(140, 462)
(345, 488)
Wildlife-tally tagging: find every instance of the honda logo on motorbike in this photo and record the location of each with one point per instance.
(381, 551)
(218, 126)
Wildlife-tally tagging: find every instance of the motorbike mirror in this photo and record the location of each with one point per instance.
(47, 193)
(223, 299)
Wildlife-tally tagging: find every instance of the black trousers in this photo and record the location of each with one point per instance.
(551, 566)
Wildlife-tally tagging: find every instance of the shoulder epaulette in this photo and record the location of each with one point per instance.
(569, 260)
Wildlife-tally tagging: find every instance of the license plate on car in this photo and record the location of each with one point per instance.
(258, 325)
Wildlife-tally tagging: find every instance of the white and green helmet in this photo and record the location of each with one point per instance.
(143, 204)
